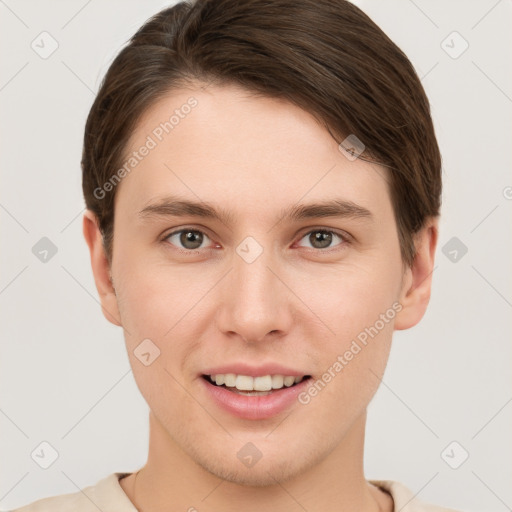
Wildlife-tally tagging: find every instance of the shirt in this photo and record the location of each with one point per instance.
(108, 496)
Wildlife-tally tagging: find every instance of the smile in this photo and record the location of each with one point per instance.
(254, 398)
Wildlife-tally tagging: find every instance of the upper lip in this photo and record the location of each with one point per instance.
(254, 371)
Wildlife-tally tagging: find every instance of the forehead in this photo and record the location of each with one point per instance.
(226, 145)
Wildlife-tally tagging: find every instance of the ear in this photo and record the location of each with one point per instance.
(417, 279)
(101, 268)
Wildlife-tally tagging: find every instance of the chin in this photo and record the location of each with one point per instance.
(273, 468)
(264, 476)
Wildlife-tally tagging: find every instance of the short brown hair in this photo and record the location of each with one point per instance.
(325, 56)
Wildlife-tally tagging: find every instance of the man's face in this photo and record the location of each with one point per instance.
(256, 288)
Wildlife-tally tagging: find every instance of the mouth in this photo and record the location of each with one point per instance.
(254, 386)
(260, 396)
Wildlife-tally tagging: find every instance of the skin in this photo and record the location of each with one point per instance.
(294, 304)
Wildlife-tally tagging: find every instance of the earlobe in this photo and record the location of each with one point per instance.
(101, 268)
(417, 282)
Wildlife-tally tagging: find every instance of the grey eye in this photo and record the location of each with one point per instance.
(188, 238)
(321, 239)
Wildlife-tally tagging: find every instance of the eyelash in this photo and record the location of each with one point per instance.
(345, 239)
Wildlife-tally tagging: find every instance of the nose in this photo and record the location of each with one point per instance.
(255, 304)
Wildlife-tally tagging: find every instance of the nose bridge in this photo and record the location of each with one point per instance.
(253, 282)
(255, 302)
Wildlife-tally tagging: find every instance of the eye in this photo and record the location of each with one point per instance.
(323, 238)
(188, 239)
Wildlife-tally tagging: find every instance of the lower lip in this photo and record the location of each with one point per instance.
(254, 407)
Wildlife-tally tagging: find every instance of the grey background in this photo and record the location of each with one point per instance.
(65, 377)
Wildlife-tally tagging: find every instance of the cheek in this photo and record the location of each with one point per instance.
(156, 306)
(356, 297)
(163, 305)
(352, 361)
(359, 304)
(152, 297)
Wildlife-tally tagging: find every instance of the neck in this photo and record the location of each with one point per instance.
(172, 479)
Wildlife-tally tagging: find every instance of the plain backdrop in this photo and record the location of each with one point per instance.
(65, 377)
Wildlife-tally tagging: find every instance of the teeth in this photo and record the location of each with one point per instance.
(263, 383)
(277, 381)
(244, 383)
(289, 381)
(230, 380)
(248, 383)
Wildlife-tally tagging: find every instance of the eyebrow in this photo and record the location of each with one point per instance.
(174, 206)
